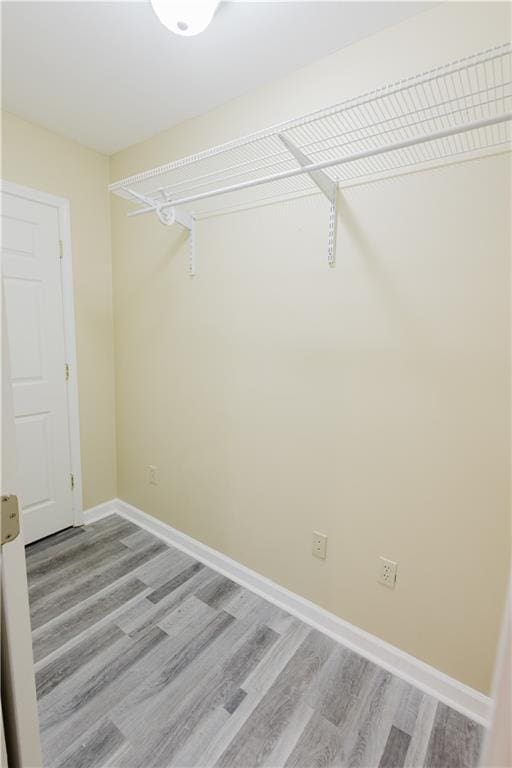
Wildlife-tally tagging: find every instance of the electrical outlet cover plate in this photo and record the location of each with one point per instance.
(319, 545)
(387, 572)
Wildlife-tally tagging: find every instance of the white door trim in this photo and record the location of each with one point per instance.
(63, 209)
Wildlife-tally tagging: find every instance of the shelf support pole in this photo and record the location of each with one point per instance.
(327, 186)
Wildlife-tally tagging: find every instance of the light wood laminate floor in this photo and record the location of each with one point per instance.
(145, 657)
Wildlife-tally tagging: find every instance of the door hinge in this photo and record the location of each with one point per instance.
(66, 368)
(72, 482)
(61, 249)
(10, 518)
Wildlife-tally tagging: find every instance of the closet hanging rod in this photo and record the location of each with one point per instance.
(277, 158)
(422, 139)
(474, 65)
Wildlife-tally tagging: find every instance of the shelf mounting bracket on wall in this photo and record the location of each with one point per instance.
(327, 186)
(169, 215)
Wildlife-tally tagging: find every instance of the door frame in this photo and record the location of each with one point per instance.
(63, 208)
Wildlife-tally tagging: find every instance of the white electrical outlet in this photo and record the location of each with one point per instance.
(319, 545)
(153, 474)
(387, 572)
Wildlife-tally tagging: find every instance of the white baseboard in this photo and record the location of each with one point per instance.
(101, 510)
(461, 697)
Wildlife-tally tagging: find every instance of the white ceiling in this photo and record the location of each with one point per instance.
(108, 74)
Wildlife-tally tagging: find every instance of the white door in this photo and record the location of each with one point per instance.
(20, 724)
(32, 284)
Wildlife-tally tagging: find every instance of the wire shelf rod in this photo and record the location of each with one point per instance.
(474, 63)
(284, 155)
(447, 132)
(221, 174)
(355, 177)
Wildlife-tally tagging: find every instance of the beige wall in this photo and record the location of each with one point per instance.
(35, 157)
(370, 402)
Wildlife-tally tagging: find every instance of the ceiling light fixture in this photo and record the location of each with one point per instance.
(185, 17)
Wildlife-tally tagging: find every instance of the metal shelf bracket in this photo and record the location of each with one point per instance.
(327, 186)
(332, 235)
(169, 215)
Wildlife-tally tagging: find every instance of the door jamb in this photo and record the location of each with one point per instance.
(62, 205)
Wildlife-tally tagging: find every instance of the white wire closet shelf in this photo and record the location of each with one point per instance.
(459, 110)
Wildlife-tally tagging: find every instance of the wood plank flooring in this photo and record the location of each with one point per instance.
(145, 657)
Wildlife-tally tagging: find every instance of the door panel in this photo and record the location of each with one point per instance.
(34, 307)
(23, 302)
(33, 440)
(19, 704)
